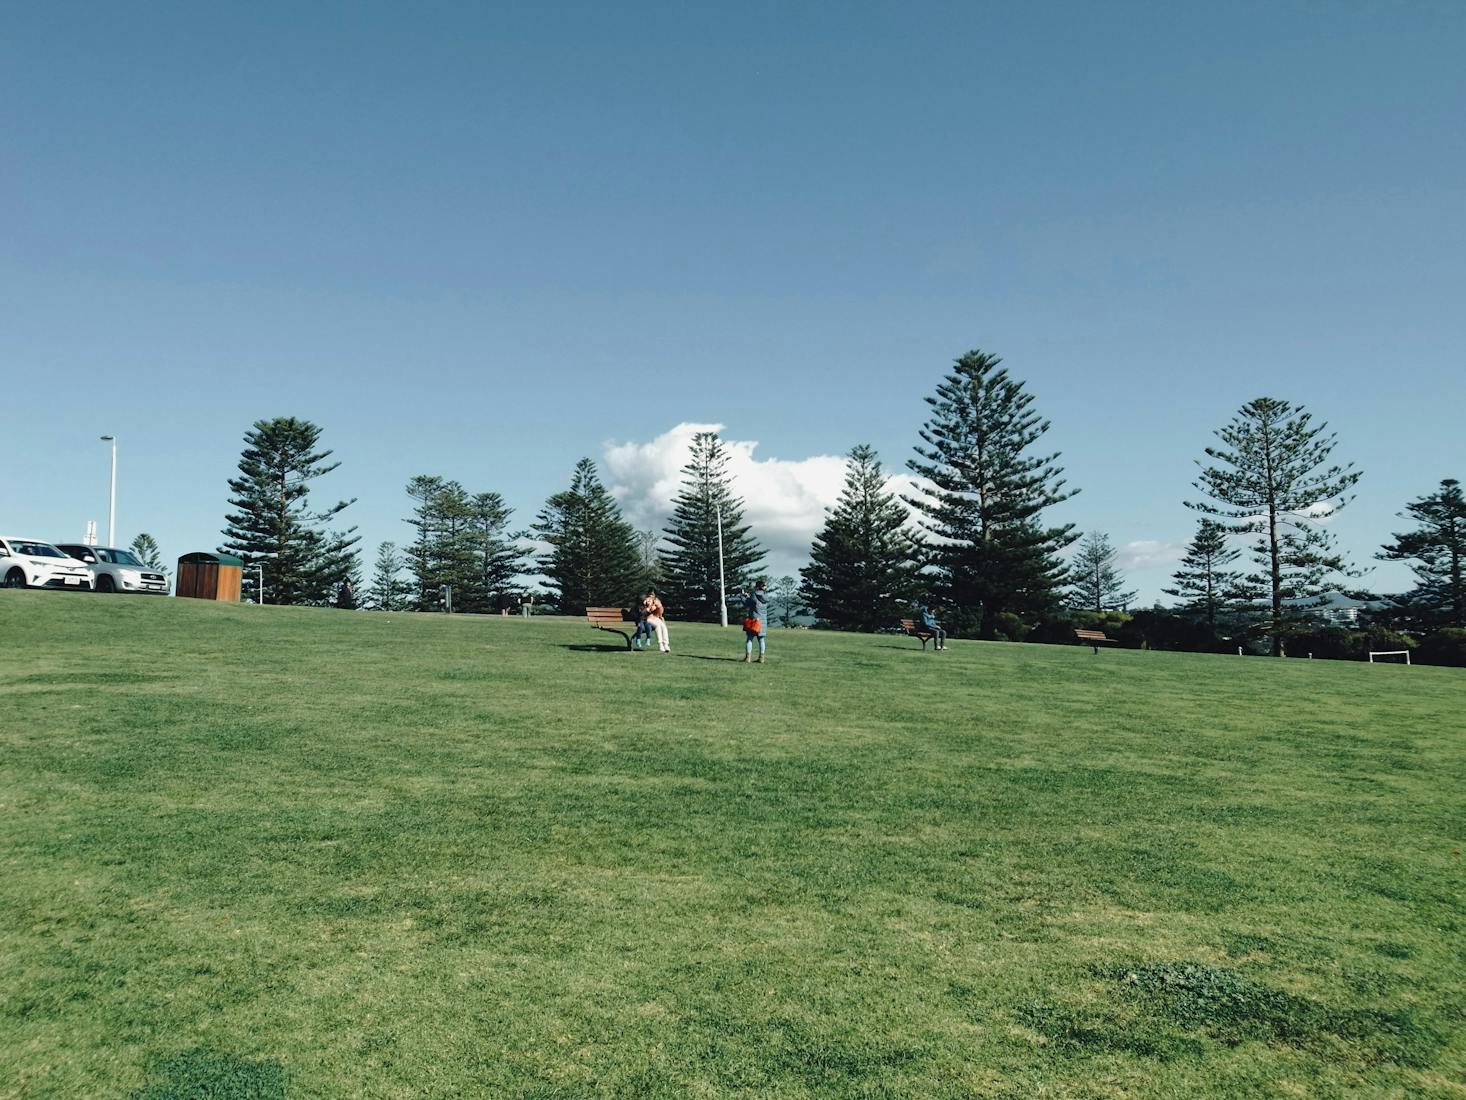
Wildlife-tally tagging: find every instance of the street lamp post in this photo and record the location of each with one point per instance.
(722, 589)
(112, 499)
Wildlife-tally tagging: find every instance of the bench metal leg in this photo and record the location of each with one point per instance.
(623, 634)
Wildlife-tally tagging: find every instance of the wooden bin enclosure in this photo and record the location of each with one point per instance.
(208, 577)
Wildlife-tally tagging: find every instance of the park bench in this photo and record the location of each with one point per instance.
(609, 618)
(1095, 638)
(920, 633)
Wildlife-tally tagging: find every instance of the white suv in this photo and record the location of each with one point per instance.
(116, 570)
(31, 563)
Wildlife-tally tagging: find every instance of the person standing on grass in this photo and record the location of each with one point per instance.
(656, 618)
(755, 621)
(931, 626)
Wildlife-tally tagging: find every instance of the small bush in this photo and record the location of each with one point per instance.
(1444, 647)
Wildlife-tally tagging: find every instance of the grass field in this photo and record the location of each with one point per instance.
(272, 852)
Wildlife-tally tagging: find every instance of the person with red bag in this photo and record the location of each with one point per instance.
(755, 621)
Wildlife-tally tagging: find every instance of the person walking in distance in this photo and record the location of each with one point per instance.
(656, 618)
(755, 621)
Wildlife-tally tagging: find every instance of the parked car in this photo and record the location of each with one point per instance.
(31, 563)
(114, 570)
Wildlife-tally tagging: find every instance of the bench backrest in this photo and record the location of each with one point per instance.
(908, 625)
(605, 615)
(1091, 635)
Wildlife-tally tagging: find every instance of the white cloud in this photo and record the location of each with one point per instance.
(1145, 553)
(784, 499)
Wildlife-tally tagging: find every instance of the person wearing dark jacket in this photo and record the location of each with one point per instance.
(755, 622)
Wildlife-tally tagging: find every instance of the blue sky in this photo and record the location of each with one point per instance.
(484, 240)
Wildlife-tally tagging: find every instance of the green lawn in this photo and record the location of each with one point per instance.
(274, 852)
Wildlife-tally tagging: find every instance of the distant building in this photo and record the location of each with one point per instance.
(1337, 609)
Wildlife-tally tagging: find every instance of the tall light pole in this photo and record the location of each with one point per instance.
(112, 505)
(722, 590)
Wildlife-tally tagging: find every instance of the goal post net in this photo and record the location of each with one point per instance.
(1389, 656)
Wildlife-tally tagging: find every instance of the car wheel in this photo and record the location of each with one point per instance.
(15, 579)
(104, 584)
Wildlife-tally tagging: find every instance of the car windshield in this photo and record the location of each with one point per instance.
(36, 550)
(119, 557)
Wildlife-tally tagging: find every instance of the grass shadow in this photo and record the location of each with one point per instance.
(597, 648)
(215, 1075)
(702, 657)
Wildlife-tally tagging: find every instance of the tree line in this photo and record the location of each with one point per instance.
(970, 537)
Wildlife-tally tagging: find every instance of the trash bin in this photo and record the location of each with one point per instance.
(204, 576)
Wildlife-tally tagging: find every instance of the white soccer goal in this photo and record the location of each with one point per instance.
(1373, 653)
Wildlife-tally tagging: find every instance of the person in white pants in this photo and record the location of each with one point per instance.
(656, 618)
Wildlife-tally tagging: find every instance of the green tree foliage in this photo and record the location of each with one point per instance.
(991, 552)
(690, 558)
(594, 557)
(1095, 583)
(461, 539)
(1436, 551)
(390, 589)
(1206, 586)
(862, 566)
(145, 549)
(273, 522)
(1273, 481)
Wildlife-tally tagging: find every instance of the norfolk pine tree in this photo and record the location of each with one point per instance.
(389, 590)
(786, 598)
(690, 558)
(495, 552)
(145, 549)
(1095, 583)
(1436, 551)
(1273, 481)
(273, 523)
(862, 567)
(990, 552)
(1208, 589)
(595, 558)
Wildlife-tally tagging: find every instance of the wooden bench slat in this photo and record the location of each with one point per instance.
(609, 618)
(920, 633)
(1093, 638)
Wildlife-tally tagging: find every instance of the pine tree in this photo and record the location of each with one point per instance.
(425, 555)
(862, 566)
(1095, 583)
(1273, 481)
(984, 498)
(1208, 589)
(595, 558)
(786, 598)
(273, 522)
(462, 540)
(496, 553)
(145, 549)
(690, 558)
(1436, 551)
(389, 590)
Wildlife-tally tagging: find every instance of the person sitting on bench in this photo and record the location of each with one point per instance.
(643, 629)
(931, 626)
